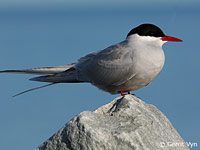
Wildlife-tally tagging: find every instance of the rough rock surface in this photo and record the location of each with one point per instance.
(124, 124)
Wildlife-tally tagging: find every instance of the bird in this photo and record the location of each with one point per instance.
(118, 69)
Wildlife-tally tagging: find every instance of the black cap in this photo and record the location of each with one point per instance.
(147, 30)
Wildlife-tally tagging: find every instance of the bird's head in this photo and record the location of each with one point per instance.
(150, 32)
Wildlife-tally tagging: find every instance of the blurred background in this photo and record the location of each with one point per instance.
(37, 33)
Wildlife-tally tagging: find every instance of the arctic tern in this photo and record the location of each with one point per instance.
(120, 68)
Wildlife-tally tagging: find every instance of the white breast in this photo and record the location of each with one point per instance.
(148, 58)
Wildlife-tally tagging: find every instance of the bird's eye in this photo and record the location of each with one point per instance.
(151, 33)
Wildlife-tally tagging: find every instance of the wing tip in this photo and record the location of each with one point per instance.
(9, 71)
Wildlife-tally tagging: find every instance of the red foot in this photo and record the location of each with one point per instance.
(123, 92)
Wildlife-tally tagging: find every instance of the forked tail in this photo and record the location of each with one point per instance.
(53, 75)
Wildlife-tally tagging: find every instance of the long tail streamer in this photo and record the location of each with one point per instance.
(32, 89)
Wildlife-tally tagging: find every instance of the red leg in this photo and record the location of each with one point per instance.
(122, 92)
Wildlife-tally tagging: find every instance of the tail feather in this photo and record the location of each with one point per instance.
(53, 75)
(42, 70)
(63, 77)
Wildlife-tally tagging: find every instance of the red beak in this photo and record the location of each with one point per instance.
(171, 39)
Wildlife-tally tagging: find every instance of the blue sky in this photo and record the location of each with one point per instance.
(89, 3)
(59, 35)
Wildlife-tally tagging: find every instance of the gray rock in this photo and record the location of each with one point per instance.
(124, 124)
